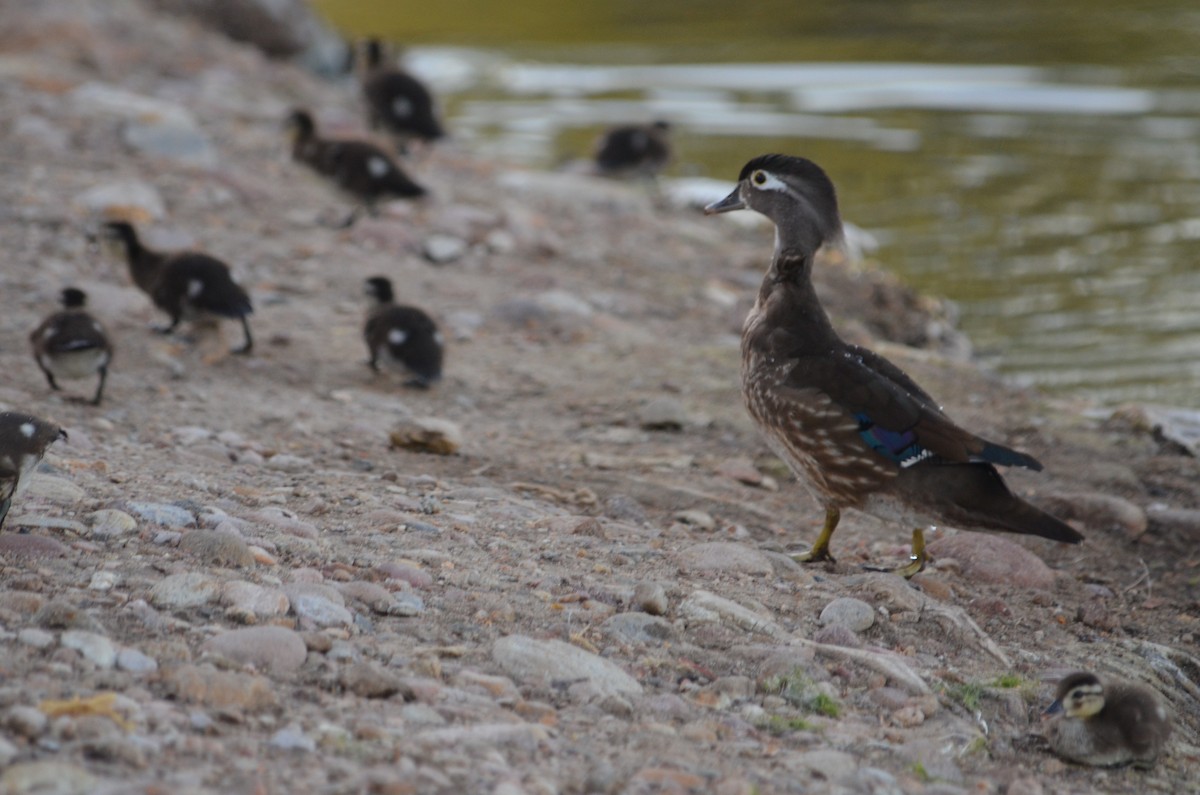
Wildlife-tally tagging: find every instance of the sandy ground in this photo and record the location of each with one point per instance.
(590, 595)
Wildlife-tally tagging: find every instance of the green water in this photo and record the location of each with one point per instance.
(1041, 168)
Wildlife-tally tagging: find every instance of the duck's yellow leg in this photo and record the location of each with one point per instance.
(916, 558)
(820, 549)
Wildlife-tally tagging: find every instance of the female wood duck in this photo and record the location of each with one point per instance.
(1106, 723)
(24, 439)
(186, 285)
(360, 168)
(396, 101)
(634, 150)
(855, 429)
(402, 337)
(72, 344)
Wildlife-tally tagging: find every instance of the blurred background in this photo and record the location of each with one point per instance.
(1036, 162)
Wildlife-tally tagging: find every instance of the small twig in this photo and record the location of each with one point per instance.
(1145, 575)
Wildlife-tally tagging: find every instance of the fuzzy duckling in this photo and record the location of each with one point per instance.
(72, 344)
(402, 337)
(24, 439)
(396, 101)
(186, 285)
(360, 168)
(1106, 722)
(634, 150)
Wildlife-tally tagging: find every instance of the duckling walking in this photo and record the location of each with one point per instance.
(186, 285)
(24, 439)
(396, 101)
(1107, 722)
(403, 337)
(853, 427)
(360, 168)
(72, 344)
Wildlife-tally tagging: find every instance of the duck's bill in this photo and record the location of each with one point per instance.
(1053, 709)
(731, 202)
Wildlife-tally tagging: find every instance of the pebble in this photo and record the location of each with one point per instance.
(218, 547)
(286, 521)
(292, 739)
(703, 607)
(48, 777)
(542, 661)
(37, 638)
(315, 610)
(54, 489)
(699, 519)
(663, 414)
(368, 680)
(205, 685)
(250, 603)
(427, 435)
(990, 558)
(1097, 511)
(650, 597)
(56, 524)
(27, 722)
(725, 556)
(830, 765)
(638, 628)
(183, 590)
(278, 650)
(440, 249)
(406, 604)
(289, 463)
(135, 662)
(837, 635)
(1183, 523)
(403, 572)
(129, 197)
(854, 614)
(162, 513)
(24, 545)
(93, 646)
(376, 597)
(176, 138)
(111, 523)
(61, 614)
(1025, 785)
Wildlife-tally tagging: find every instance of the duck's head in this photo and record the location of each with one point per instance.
(380, 289)
(1079, 695)
(300, 125)
(793, 192)
(73, 298)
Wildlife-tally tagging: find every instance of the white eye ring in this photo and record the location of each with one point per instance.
(764, 180)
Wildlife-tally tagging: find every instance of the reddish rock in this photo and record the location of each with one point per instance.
(985, 557)
(20, 545)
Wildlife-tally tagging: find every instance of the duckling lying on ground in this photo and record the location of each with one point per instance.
(1106, 722)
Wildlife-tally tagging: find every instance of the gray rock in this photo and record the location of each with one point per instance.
(135, 662)
(37, 638)
(703, 607)
(700, 519)
(249, 602)
(286, 521)
(854, 614)
(543, 661)
(663, 414)
(440, 249)
(183, 590)
(837, 635)
(830, 765)
(56, 524)
(650, 597)
(111, 523)
(725, 556)
(93, 646)
(990, 558)
(47, 777)
(108, 198)
(368, 680)
(162, 513)
(293, 739)
(638, 628)
(289, 463)
(315, 610)
(406, 604)
(22, 545)
(53, 489)
(218, 547)
(427, 435)
(27, 722)
(178, 139)
(278, 650)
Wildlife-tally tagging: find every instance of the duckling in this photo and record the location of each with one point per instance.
(360, 168)
(72, 344)
(403, 337)
(24, 439)
(186, 285)
(396, 101)
(634, 150)
(1106, 722)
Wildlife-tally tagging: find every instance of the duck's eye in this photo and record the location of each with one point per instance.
(759, 178)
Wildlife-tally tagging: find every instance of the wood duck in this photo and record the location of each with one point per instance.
(360, 168)
(634, 150)
(402, 337)
(186, 285)
(72, 344)
(396, 101)
(24, 439)
(1107, 722)
(854, 428)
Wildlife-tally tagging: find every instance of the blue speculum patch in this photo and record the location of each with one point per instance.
(898, 446)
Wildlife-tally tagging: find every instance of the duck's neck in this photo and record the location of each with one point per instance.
(788, 313)
(144, 264)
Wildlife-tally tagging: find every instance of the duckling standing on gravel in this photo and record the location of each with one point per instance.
(360, 168)
(636, 150)
(1106, 722)
(72, 344)
(401, 337)
(24, 439)
(396, 101)
(187, 285)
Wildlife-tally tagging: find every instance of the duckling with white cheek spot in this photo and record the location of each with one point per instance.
(401, 337)
(1107, 722)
